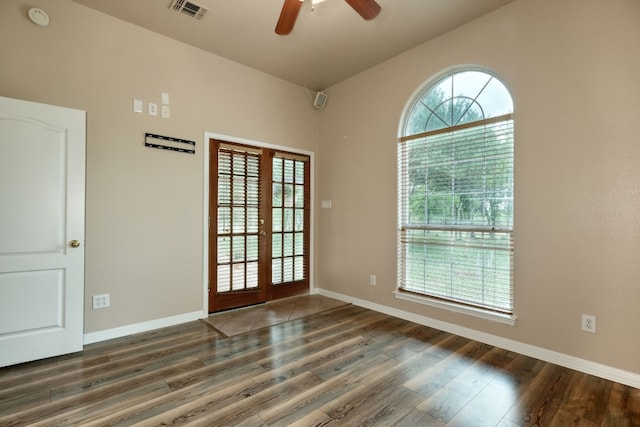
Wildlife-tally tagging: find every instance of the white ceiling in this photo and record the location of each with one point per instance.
(326, 46)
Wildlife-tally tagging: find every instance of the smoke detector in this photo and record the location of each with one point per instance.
(38, 17)
(189, 8)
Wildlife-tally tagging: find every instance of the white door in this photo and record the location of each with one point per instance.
(42, 184)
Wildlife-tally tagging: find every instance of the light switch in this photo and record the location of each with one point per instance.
(138, 105)
(166, 112)
(325, 204)
(165, 98)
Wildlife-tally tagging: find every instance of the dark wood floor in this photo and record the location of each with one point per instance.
(348, 366)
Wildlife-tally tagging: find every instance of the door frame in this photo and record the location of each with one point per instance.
(205, 209)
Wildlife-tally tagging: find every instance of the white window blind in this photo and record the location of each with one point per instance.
(456, 213)
(290, 218)
(239, 195)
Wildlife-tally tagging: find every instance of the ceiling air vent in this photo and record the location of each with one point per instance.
(188, 8)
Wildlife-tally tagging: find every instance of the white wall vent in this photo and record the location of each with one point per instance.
(188, 8)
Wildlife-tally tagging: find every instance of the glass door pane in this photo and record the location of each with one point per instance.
(238, 220)
(235, 236)
(290, 210)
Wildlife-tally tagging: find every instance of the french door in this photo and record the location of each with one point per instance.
(259, 206)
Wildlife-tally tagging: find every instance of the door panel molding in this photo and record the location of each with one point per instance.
(44, 310)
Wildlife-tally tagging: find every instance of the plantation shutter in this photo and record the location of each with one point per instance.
(456, 214)
(290, 212)
(238, 213)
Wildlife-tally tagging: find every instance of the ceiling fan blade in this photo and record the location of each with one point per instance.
(288, 16)
(368, 9)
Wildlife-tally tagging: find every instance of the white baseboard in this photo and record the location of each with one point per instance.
(592, 368)
(136, 328)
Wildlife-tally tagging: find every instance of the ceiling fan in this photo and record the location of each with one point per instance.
(368, 9)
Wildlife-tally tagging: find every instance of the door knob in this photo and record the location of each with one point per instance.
(74, 244)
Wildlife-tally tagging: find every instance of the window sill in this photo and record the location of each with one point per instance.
(507, 319)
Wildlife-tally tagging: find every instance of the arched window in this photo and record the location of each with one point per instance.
(455, 168)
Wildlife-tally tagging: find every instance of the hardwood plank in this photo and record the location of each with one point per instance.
(540, 402)
(324, 393)
(507, 423)
(586, 401)
(33, 371)
(493, 402)
(518, 374)
(306, 363)
(96, 395)
(257, 398)
(414, 340)
(136, 372)
(314, 419)
(445, 404)
(251, 422)
(222, 381)
(292, 334)
(160, 347)
(23, 401)
(623, 409)
(416, 417)
(245, 350)
(354, 404)
(95, 370)
(81, 414)
(187, 412)
(386, 407)
(375, 348)
(25, 380)
(291, 410)
(487, 408)
(137, 341)
(278, 359)
(450, 357)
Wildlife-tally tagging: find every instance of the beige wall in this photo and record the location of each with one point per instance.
(573, 67)
(144, 232)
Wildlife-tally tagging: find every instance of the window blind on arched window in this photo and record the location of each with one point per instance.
(455, 163)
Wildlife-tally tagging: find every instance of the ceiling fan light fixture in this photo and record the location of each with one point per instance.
(367, 9)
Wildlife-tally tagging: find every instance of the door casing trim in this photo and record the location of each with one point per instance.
(205, 208)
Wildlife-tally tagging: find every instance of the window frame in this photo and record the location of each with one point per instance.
(449, 303)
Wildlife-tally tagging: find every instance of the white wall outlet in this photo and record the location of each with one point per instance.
(153, 109)
(589, 323)
(372, 280)
(101, 301)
